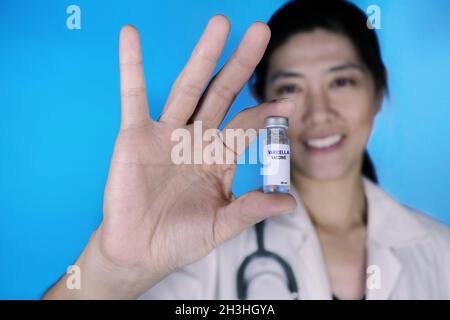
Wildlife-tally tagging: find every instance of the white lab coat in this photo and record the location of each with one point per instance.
(410, 252)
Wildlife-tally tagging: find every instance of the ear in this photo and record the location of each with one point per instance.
(380, 95)
(379, 101)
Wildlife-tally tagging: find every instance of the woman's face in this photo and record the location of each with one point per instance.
(335, 97)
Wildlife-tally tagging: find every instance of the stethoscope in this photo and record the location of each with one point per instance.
(261, 252)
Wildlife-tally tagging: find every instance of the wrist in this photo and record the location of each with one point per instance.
(101, 278)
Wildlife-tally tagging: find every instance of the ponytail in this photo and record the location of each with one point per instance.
(368, 169)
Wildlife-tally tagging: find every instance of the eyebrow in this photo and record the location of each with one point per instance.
(291, 74)
(346, 66)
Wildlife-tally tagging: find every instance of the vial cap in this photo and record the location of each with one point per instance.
(276, 121)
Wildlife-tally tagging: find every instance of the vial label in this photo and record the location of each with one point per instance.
(277, 162)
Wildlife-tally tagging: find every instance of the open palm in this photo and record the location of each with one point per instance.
(158, 215)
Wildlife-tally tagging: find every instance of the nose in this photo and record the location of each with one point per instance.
(317, 108)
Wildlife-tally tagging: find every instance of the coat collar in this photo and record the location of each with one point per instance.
(390, 225)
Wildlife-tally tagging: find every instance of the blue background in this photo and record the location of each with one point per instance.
(60, 113)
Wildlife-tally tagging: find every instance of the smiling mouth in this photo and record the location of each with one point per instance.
(328, 143)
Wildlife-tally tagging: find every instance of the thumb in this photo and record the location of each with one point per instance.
(248, 210)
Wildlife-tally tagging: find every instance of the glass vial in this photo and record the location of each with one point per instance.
(277, 156)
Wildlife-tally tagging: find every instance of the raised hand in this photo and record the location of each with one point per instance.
(158, 215)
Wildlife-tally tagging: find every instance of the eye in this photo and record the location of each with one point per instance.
(287, 89)
(342, 82)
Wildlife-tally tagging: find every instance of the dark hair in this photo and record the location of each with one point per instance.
(337, 16)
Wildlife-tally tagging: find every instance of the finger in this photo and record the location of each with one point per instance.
(190, 84)
(241, 131)
(132, 84)
(248, 210)
(224, 88)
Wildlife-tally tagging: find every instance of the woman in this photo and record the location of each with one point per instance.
(325, 59)
(346, 239)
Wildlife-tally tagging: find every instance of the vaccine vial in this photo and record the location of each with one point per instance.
(277, 156)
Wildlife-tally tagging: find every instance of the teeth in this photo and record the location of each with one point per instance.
(324, 142)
